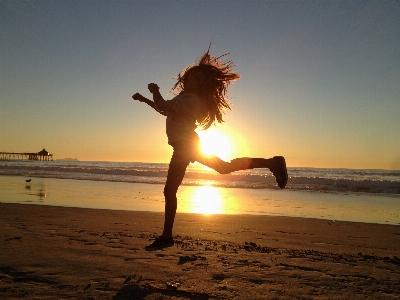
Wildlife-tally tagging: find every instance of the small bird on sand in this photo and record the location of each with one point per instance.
(28, 180)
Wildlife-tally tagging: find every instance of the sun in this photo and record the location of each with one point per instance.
(215, 142)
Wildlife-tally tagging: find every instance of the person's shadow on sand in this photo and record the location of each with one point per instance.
(135, 291)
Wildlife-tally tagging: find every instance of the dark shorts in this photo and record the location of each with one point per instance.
(184, 153)
(187, 151)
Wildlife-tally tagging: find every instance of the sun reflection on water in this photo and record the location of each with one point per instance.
(206, 200)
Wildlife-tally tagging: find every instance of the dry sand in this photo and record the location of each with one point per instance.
(55, 253)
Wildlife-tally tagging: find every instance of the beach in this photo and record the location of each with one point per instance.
(50, 252)
(278, 120)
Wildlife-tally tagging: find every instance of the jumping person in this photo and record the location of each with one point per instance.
(202, 89)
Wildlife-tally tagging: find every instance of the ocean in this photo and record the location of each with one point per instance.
(312, 179)
(341, 194)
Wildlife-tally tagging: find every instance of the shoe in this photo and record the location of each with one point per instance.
(160, 243)
(280, 171)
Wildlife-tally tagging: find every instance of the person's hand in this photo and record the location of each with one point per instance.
(153, 88)
(137, 96)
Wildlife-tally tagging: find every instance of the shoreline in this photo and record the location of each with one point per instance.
(200, 199)
(53, 252)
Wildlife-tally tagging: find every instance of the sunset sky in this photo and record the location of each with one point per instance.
(320, 79)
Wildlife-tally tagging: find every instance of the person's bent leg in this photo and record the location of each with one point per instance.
(176, 172)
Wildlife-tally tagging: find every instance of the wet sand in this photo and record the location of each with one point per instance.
(49, 252)
(365, 208)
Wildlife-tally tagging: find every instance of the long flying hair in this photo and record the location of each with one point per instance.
(218, 76)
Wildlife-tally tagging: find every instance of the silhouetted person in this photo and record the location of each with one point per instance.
(202, 91)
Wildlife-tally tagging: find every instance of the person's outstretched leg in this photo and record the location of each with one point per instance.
(277, 165)
(215, 163)
(176, 172)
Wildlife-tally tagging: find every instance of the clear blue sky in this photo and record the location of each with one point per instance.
(320, 79)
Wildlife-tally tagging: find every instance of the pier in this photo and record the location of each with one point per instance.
(41, 155)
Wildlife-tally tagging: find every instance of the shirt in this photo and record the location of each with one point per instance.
(182, 113)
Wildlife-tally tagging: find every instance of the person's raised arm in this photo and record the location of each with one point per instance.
(157, 98)
(141, 98)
